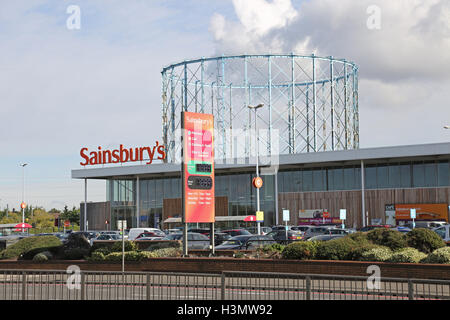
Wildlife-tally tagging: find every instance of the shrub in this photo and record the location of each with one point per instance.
(129, 246)
(165, 252)
(97, 256)
(274, 247)
(380, 254)
(163, 245)
(29, 243)
(393, 239)
(424, 240)
(441, 255)
(50, 252)
(40, 257)
(407, 255)
(357, 251)
(114, 256)
(338, 249)
(300, 250)
(75, 254)
(359, 237)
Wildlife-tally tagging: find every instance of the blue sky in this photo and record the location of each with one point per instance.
(62, 89)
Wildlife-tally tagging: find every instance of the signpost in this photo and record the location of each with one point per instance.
(197, 172)
(412, 213)
(343, 216)
(121, 226)
(286, 219)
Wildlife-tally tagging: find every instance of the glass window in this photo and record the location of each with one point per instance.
(338, 178)
(441, 232)
(405, 175)
(349, 178)
(382, 177)
(143, 192)
(418, 175)
(394, 176)
(430, 174)
(167, 189)
(159, 192)
(371, 177)
(443, 174)
(319, 180)
(307, 180)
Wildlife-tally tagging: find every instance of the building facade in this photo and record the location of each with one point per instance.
(365, 182)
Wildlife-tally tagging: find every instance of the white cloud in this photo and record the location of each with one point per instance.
(404, 67)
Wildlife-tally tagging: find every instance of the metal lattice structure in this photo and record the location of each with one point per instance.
(310, 103)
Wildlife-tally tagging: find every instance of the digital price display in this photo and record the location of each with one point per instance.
(198, 167)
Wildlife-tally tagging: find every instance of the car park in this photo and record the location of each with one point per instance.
(264, 230)
(444, 233)
(372, 227)
(326, 237)
(147, 235)
(195, 240)
(106, 237)
(246, 242)
(237, 232)
(280, 236)
(317, 231)
(134, 232)
(425, 224)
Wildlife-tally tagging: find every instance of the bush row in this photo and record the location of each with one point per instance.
(383, 245)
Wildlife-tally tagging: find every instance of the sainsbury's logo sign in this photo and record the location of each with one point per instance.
(122, 154)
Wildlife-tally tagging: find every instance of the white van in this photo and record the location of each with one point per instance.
(134, 232)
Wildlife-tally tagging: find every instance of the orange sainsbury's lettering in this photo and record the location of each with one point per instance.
(122, 154)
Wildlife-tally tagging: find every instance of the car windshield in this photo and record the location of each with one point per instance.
(174, 236)
(232, 243)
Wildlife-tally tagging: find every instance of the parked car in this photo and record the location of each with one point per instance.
(134, 232)
(326, 237)
(280, 227)
(204, 231)
(237, 232)
(264, 230)
(372, 227)
(88, 234)
(280, 236)
(246, 242)
(444, 232)
(153, 234)
(317, 231)
(301, 228)
(106, 237)
(425, 224)
(402, 229)
(195, 240)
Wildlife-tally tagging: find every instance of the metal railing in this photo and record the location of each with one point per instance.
(90, 285)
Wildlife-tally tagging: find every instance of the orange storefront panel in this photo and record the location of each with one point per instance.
(423, 211)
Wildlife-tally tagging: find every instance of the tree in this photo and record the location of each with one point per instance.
(72, 215)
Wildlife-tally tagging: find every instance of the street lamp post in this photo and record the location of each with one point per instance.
(23, 192)
(257, 162)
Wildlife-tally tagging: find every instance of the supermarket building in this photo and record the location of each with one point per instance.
(369, 183)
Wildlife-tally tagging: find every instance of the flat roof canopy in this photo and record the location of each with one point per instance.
(421, 152)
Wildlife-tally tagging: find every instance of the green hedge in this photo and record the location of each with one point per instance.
(441, 255)
(305, 250)
(407, 255)
(379, 254)
(337, 249)
(129, 246)
(393, 239)
(29, 243)
(424, 240)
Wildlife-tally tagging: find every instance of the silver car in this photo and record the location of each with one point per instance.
(444, 232)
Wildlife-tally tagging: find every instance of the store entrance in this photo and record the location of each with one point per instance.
(123, 213)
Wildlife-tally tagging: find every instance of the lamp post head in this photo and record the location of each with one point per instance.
(24, 164)
(446, 127)
(256, 107)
